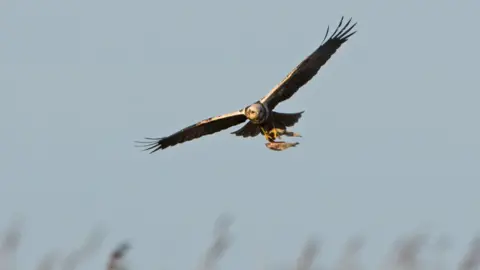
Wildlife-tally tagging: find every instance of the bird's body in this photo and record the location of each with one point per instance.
(260, 115)
(266, 122)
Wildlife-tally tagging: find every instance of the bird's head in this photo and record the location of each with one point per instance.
(254, 112)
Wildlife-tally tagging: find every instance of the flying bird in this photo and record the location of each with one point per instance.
(261, 115)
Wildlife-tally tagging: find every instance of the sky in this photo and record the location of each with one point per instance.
(390, 130)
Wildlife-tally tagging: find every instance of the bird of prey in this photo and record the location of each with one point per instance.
(261, 115)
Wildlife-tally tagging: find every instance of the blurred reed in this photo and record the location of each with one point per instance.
(406, 253)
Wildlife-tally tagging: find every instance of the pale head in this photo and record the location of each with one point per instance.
(255, 112)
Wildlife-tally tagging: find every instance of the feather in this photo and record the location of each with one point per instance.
(309, 67)
(195, 131)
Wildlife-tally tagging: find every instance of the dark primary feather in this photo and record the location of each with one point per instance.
(309, 67)
(202, 128)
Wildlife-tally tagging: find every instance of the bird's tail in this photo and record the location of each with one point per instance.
(284, 120)
(248, 130)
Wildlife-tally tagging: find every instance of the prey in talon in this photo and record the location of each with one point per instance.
(280, 146)
(276, 133)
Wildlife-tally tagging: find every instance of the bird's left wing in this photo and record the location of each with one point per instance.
(202, 128)
(309, 67)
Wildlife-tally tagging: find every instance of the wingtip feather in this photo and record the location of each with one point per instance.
(154, 143)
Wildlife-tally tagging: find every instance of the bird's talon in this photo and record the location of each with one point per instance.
(266, 134)
(274, 134)
(274, 131)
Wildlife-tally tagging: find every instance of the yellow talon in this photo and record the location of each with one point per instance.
(262, 129)
(265, 133)
(275, 134)
(274, 131)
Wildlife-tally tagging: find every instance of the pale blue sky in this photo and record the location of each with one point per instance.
(391, 130)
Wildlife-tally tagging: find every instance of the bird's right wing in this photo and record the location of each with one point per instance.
(202, 128)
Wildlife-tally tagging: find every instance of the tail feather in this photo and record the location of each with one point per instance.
(284, 120)
(248, 130)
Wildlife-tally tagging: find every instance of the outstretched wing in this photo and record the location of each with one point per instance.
(202, 128)
(309, 67)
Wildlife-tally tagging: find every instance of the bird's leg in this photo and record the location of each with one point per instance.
(267, 135)
(275, 133)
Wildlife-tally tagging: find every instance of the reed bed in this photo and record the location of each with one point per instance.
(406, 253)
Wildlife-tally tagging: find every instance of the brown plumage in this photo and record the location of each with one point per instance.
(262, 118)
